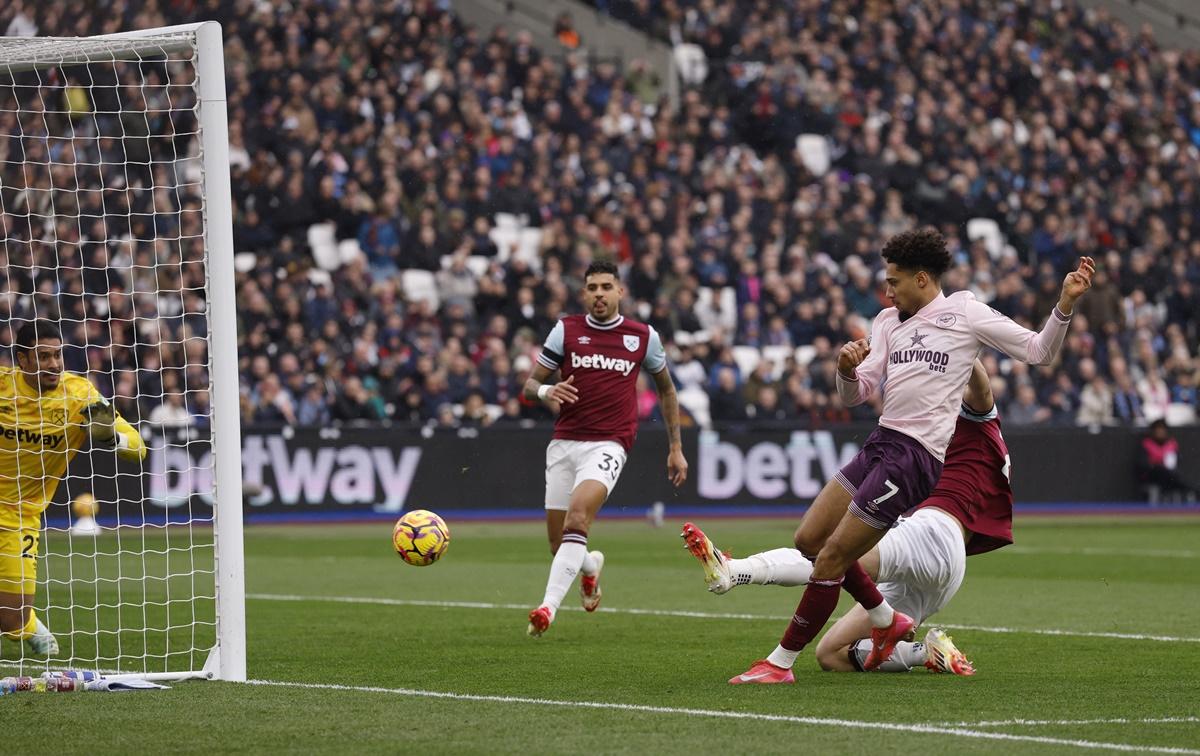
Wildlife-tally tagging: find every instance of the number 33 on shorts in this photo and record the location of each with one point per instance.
(611, 466)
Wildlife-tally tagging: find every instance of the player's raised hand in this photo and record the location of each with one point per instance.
(101, 418)
(1078, 281)
(564, 392)
(677, 467)
(852, 355)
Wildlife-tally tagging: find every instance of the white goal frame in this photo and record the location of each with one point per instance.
(227, 659)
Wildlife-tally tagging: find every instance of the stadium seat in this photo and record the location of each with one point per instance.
(814, 153)
(805, 354)
(323, 245)
(349, 251)
(529, 243)
(695, 400)
(726, 317)
(507, 220)
(244, 262)
(777, 356)
(988, 230)
(747, 358)
(420, 285)
(478, 265)
(691, 63)
(506, 241)
(1180, 414)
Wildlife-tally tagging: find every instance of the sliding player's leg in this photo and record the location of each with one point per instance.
(784, 566)
(919, 566)
(789, 566)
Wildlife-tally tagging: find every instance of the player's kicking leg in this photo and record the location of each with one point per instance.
(845, 648)
(571, 555)
(943, 656)
(589, 580)
(785, 566)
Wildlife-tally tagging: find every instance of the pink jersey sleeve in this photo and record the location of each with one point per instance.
(872, 370)
(1000, 332)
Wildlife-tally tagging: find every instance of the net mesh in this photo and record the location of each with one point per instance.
(102, 230)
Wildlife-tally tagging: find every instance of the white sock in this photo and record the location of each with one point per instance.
(786, 567)
(563, 570)
(589, 564)
(906, 656)
(781, 657)
(882, 615)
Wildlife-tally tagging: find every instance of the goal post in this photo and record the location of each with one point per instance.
(114, 173)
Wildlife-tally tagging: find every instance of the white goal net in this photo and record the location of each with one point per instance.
(114, 226)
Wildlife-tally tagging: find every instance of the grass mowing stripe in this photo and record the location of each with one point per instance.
(819, 721)
(1066, 722)
(692, 615)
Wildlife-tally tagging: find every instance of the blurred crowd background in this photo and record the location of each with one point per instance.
(415, 200)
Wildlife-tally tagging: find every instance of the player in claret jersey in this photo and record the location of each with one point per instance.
(598, 356)
(923, 349)
(919, 564)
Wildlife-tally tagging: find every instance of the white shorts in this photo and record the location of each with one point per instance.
(569, 463)
(922, 561)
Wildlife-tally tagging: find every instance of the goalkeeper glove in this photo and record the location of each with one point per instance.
(101, 423)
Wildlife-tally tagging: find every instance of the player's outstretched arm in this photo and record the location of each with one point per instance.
(978, 394)
(1000, 332)
(677, 466)
(108, 430)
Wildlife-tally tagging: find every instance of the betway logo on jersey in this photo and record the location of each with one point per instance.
(602, 362)
(24, 436)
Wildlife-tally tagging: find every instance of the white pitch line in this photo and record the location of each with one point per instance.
(923, 729)
(1066, 722)
(1098, 551)
(697, 615)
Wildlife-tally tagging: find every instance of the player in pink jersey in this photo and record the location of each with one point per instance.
(923, 349)
(598, 356)
(919, 564)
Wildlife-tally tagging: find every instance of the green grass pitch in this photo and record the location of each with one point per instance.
(356, 644)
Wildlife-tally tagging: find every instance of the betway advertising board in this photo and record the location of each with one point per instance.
(385, 470)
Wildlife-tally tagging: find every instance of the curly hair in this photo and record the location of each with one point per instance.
(33, 331)
(919, 249)
(602, 266)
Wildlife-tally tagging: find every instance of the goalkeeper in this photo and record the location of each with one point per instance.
(46, 416)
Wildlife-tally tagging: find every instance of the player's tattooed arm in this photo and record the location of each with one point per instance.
(552, 394)
(677, 466)
(978, 394)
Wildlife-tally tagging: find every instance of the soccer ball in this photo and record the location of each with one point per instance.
(420, 537)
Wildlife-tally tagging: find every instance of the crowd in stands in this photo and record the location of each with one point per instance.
(415, 201)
